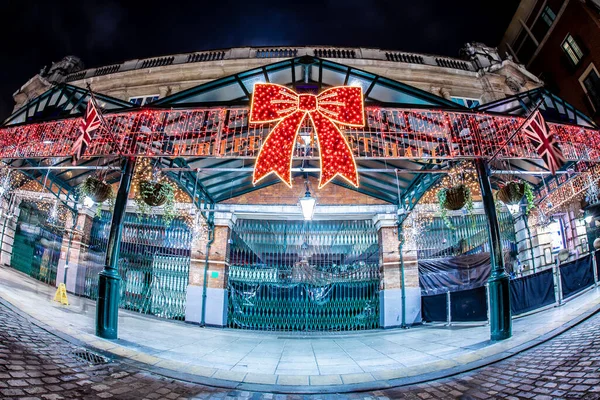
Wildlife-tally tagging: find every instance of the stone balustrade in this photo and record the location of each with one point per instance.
(274, 53)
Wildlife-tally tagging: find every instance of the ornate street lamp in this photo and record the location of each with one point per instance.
(308, 203)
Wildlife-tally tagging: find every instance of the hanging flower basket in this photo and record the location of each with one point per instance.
(155, 194)
(96, 189)
(454, 198)
(152, 191)
(511, 193)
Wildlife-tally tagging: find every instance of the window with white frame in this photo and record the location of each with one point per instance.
(572, 49)
(143, 100)
(466, 101)
(590, 80)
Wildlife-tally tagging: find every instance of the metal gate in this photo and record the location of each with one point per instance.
(154, 264)
(37, 243)
(469, 236)
(304, 275)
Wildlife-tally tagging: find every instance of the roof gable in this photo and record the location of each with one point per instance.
(62, 101)
(552, 107)
(309, 74)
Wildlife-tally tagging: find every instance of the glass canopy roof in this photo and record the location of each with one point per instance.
(62, 101)
(308, 74)
(552, 107)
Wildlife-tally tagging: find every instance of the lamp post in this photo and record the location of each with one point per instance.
(499, 290)
(107, 310)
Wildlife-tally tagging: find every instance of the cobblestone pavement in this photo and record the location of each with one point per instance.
(35, 364)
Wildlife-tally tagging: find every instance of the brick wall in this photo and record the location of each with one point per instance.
(583, 24)
(280, 194)
(389, 261)
(218, 260)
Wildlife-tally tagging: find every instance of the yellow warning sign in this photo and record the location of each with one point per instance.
(61, 294)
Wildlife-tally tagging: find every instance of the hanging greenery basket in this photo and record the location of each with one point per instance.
(96, 189)
(454, 198)
(152, 191)
(512, 193)
(155, 194)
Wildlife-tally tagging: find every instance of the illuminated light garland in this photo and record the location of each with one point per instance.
(16, 183)
(427, 208)
(197, 225)
(561, 198)
(224, 132)
(462, 173)
(56, 213)
(145, 172)
(53, 213)
(11, 180)
(341, 105)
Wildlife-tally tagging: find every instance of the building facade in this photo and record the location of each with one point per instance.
(558, 42)
(239, 252)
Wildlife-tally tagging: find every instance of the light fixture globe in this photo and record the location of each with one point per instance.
(308, 203)
(563, 255)
(514, 209)
(88, 202)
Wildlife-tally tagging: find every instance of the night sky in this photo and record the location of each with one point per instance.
(101, 32)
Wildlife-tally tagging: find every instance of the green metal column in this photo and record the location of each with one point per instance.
(500, 318)
(107, 310)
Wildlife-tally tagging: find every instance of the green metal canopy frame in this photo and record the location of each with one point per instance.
(552, 107)
(306, 73)
(62, 101)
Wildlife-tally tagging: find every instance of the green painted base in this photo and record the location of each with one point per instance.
(107, 309)
(500, 316)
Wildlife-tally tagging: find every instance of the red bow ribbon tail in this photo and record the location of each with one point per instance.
(336, 155)
(276, 152)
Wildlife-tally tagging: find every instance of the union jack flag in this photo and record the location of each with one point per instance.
(538, 131)
(89, 123)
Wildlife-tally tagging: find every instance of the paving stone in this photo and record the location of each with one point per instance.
(37, 364)
(12, 392)
(17, 382)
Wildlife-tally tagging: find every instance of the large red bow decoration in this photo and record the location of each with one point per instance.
(342, 105)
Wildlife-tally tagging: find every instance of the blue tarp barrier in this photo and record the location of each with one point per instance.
(469, 305)
(531, 292)
(526, 294)
(433, 308)
(576, 276)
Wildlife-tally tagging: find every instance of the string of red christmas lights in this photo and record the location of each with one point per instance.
(226, 132)
(339, 105)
